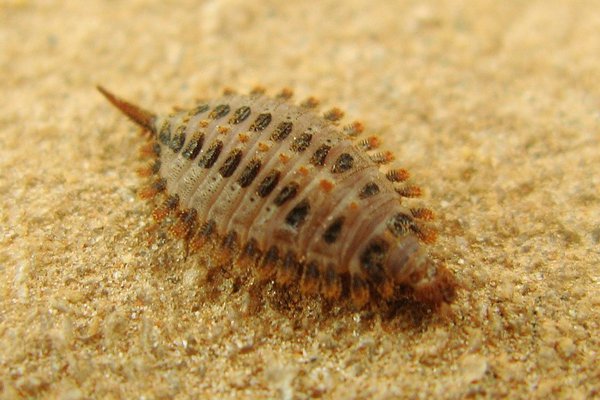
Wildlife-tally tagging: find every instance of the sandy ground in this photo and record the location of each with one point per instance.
(493, 106)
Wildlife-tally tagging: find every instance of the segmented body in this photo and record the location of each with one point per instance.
(287, 189)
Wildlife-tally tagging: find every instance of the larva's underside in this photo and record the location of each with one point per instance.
(285, 191)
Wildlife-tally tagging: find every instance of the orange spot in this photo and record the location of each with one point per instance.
(262, 146)
(326, 185)
(286, 93)
(148, 192)
(284, 158)
(333, 115)
(145, 171)
(243, 137)
(147, 150)
(311, 102)
(223, 130)
(203, 123)
(227, 91)
(258, 90)
(353, 206)
(373, 142)
(388, 156)
(303, 170)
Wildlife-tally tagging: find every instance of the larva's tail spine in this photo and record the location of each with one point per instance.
(142, 117)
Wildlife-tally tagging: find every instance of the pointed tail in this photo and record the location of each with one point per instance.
(138, 115)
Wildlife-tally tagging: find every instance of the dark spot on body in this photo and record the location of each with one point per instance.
(178, 139)
(230, 240)
(370, 189)
(373, 256)
(249, 173)
(310, 278)
(172, 202)
(160, 185)
(301, 143)
(251, 249)
(282, 131)
(164, 134)
(288, 192)
(240, 115)
(374, 253)
(199, 109)
(268, 183)
(193, 148)
(208, 228)
(332, 233)
(343, 163)
(272, 255)
(156, 166)
(231, 163)
(319, 156)
(219, 111)
(209, 158)
(400, 224)
(298, 214)
(262, 121)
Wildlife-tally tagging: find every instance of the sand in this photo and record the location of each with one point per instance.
(494, 107)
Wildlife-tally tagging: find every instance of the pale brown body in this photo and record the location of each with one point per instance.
(335, 233)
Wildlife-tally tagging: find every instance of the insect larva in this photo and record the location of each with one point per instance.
(290, 194)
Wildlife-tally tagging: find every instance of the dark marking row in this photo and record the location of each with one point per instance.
(400, 224)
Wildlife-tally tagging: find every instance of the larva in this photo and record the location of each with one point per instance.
(285, 191)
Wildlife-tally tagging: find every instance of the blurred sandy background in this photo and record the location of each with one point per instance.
(493, 106)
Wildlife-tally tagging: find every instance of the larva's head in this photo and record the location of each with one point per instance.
(143, 118)
(409, 265)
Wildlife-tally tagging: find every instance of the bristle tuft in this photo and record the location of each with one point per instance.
(186, 222)
(397, 175)
(202, 236)
(258, 90)
(424, 214)
(382, 158)
(166, 208)
(354, 129)
(151, 149)
(311, 102)
(425, 233)
(285, 94)
(153, 189)
(409, 191)
(333, 115)
(370, 143)
(359, 291)
(309, 283)
(150, 169)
